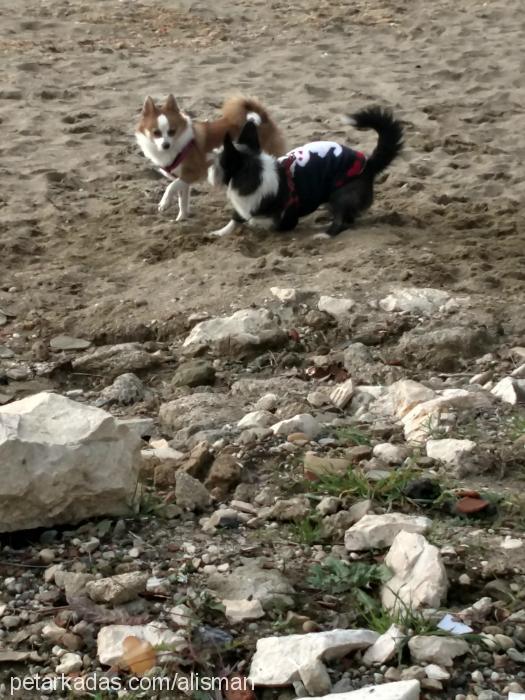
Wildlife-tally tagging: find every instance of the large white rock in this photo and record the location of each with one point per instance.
(449, 450)
(335, 306)
(110, 640)
(243, 609)
(419, 577)
(510, 390)
(422, 300)
(425, 417)
(385, 647)
(405, 394)
(280, 661)
(402, 690)
(389, 453)
(379, 531)
(437, 650)
(62, 462)
(342, 394)
(243, 329)
(302, 423)
(256, 419)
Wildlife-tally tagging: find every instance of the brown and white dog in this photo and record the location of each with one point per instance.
(182, 148)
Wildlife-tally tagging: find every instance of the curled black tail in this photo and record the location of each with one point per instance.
(389, 130)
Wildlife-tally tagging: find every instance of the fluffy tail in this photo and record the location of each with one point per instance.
(389, 130)
(239, 109)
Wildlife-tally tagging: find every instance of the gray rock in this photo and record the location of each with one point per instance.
(251, 582)
(378, 531)
(244, 330)
(190, 494)
(419, 577)
(118, 589)
(194, 373)
(443, 348)
(199, 411)
(5, 352)
(402, 690)
(126, 389)
(66, 342)
(112, 360)
(280, 661)
(63, 462)
(335, 306)
(437, 650)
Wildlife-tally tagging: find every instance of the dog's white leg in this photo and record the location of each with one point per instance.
(169, 194)
(184, 201)
(225, 230)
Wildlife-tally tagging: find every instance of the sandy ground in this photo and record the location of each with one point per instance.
(83, 247)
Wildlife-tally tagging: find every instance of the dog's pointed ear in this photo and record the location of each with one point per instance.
(171, 104)
(149, 107)
(249, 137)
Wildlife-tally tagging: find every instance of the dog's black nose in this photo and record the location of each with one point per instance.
(165, 146)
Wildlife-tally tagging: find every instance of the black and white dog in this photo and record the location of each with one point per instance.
(285, 189)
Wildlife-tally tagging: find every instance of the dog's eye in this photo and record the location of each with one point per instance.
(157, 133)
(171, 132)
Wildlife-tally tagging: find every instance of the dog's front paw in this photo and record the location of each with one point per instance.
(164, 202)
(321, 237)
(181, 216)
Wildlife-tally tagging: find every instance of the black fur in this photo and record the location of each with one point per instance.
(242, 171)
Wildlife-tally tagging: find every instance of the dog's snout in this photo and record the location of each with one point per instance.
(165, 145)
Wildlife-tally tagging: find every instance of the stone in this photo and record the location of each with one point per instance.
(126, 389)
(379, 531)
(317, 465)
(141, 427)
(244, 330)
(389, 453)
(279, 661)
(405, 394)
(342, 394)
(419, 576)
(194, 373)
(73, 583)
(251, 582)
(190, 493)
(358, 452)
(62, 637)
(510, 390)
(443, 348)
(224, 517)
(437, 673)
(285, 295)
(69, 663)
(111, 637)
(288, 510)
(336, 307)
(224, 475)
(449, 450)
(385, 647)
(402, 690)
(438, 650)
(419, 422)
(519, 372)
(5, 352)
(417, 300)
(63, 462)
(198, 462)
(112, 360)
(328, 505)
(268, 402)
(256, 419)
(315, 679)
(359, 362)
(160, 450)
(66, 342)
(242, 610)
(199, 411)
(359, 509)
(302, 423)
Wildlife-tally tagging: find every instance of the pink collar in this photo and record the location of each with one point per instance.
(179, 158)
